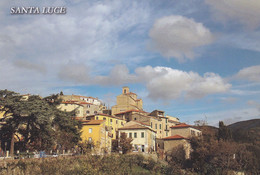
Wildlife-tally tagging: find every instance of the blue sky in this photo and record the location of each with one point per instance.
(197, 60)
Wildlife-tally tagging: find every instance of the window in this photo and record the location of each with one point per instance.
(96, 118)
(151, 125)
(160, 126)
(166, 133)
(122, 123)
(155, 126)
(90, 130)
(65, 110)
(95, 112)
(116, 121)
(111, 120)
(135, 135)
(87, 112)
(192, 133)
(104, 118)
(134, 118)
(90, 139)
(66, 104)
(142, 134)
(130, 135)
(125, 91)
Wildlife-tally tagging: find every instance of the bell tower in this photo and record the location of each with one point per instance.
(125, 90)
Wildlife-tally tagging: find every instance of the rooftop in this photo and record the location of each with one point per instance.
(181, 125)
(93, 122)
(134, 127)
(132, 110)
(175, 137)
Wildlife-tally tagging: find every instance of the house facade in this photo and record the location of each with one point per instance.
(174, 142)
(185, 130)
(143, 137)
(94, 131)
(112, 123)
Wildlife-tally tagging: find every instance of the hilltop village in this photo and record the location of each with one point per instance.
(123, 138)
(150, 131)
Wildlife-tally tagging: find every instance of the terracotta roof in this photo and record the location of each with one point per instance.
(175, 137)
(86, 103)
(172, 121)
(69, 102)
(182, 125)
(131, 93)
(100, 114)
(141, 123)
(93, 122)
(135, 126)
(132, 110)
(81, 96)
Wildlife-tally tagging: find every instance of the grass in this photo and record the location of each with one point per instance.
(92, 165)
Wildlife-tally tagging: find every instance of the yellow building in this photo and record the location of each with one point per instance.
(127, 101)
(112, 122)
(95, 131)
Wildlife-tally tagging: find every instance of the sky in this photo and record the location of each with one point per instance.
(193, 59)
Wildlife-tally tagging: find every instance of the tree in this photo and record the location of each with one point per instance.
(36, 122)
(224, 132)
(177, 156)
(125, 143)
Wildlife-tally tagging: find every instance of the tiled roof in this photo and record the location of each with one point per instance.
(69, 102)
(86, 103)
(175, 137)
(93, 122)
(135, 126)
(142, 123)
(182, 125)
(132, 110)
(172, 121)
(100, 114)
(131, 93)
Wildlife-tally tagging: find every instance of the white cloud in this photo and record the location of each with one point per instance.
(245, 11)
(249, 73)
(77, 73)
(161, 82)
(91, 34)
(119, 75)
(178, 37)
(30, 65)
(168, 83)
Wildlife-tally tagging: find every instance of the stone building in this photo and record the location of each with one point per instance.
(185, 130)
(127, 101)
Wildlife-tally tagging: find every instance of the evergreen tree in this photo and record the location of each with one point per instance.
(224, 132)
(36, 122)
